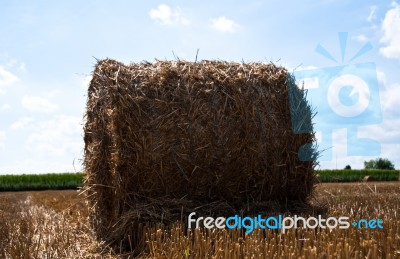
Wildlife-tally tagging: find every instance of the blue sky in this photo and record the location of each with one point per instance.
(48, 50)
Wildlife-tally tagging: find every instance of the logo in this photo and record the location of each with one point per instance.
(344, 96)
(279, 222)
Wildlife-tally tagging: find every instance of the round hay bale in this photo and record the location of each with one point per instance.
(165, 138)
(368, 178)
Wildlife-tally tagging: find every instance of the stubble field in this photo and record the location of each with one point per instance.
(54, 224)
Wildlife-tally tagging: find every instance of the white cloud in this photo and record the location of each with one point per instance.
(390, 100)
(381, 78)
(22, 67)
(2, 140)
(224, 24)
(36, 103)
(165, 15)
(28, 165)
(391, 33)
(22, 123)
(12, 62)
(340, 158)
(53, 93)
(53, 145)
(387, 134)
(372, 14)
(57, 137)
(6, 79)
(361, 38)
(5, 107)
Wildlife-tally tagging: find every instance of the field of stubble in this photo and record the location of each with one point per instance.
(54, 224)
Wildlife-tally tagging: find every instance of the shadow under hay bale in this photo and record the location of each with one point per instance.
(165, 139)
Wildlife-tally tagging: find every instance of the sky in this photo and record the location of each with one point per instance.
(48, 50)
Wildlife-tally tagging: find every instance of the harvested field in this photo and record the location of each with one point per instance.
(54, 224)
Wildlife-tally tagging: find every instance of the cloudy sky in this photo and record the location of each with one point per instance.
(48, 50)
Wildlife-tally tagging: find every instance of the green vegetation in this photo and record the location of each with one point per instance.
(379, 163)
(30, 182)
(357, 175)
(347, 167)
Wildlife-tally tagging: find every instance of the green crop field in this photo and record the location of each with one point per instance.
(28, 182)
(357, 175)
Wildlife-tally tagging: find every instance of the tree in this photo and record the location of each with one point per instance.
(379, 163)
(347, 167)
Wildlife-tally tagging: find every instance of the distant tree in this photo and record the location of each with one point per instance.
(371, 164)
(347, 167)
(379, 163)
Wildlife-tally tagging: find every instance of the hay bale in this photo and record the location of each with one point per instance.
(166, 138)
(368, 178)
